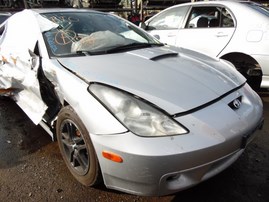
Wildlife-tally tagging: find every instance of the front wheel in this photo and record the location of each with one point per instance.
(76, 147)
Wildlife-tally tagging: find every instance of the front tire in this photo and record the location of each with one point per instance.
(76, 147)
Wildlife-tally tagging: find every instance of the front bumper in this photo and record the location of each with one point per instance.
(164, 183)
(163, 165)
(145, 173)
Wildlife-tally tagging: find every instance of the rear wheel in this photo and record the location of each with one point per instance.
(76, 147)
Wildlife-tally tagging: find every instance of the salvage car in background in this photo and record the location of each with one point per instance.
(234, 31)
(147, 118)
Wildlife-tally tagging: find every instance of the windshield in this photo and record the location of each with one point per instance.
(93, 33)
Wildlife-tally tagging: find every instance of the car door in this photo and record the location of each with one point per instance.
(165, 26)
(208, 29)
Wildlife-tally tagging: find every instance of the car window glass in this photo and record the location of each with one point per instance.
(226, 18)
(2, 29)
(171, 19)
(92, 32)
(207, 17)
(258, 7)
(3, 18)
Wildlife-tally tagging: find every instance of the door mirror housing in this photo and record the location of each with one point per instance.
(34, 60)
(143, 25)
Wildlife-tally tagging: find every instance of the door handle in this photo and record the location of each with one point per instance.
(221, 34)
(171, 35)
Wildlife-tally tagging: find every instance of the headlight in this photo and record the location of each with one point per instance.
(137, 115)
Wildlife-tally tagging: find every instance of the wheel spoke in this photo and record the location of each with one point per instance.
(69, 149)
(66, 136)
(73, 160)
(78, 140)
(81, 147)
(70, 129)
(81, 159)
(67, 144)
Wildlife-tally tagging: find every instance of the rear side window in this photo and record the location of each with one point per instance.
(169, 19)
(209, 16)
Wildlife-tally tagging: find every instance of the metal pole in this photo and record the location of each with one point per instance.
(135, 6)
(141, 11)
(25, 3)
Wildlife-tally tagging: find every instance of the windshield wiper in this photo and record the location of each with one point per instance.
(133, 46)
(122, 48)
(86, 52)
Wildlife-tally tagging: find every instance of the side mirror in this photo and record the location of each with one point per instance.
(157, 36)
(142, 25)
(34, 60)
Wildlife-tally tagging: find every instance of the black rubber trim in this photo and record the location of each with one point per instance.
(207, 104)
(159, 57)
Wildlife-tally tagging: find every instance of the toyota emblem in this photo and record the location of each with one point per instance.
(237, 103)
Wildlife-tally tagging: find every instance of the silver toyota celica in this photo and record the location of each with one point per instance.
(147, 118)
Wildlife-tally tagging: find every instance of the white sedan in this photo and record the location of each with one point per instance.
(231, 30)
(147, 118)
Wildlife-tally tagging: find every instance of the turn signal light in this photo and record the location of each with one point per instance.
(112, 156)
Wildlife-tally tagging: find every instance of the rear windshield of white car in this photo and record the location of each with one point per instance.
(258, 7)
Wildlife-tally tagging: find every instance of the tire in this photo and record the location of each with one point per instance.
(76, 147)
(248, 67)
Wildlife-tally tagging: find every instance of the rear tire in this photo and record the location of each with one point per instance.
(76, 147)
(248, 67)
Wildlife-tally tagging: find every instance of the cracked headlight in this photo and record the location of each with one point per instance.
(139, 116)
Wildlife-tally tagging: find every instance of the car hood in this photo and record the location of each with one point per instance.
(176, 80)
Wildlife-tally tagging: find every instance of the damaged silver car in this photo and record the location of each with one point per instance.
(146, 118)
